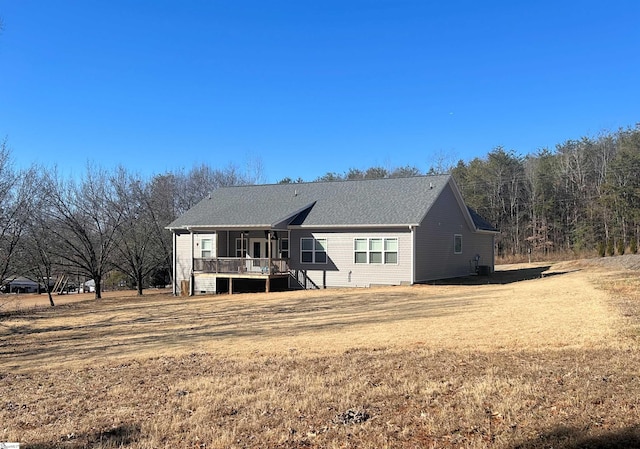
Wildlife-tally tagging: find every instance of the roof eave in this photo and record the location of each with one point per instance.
(487, 231)
(355, 226)
(221, 227)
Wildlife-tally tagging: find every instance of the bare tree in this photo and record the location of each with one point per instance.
(404, 172)
(16, 191)
(85, 223)
(38, 247)
(138, 251)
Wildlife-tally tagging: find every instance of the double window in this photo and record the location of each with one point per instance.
(376, 250)
(313, 250)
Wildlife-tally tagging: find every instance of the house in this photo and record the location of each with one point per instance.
(329, 234)
(20, 284)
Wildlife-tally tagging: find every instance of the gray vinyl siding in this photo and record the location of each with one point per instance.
(341, 269)
(434, 249)
(222, 244)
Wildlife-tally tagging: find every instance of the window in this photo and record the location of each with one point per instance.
(313, 250)
(241, 247)
(206, 245)
(376, 250)
(284, 248)
(391, 251)
(457, 244)
(360, 248)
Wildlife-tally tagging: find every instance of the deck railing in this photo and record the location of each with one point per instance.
(237, 265)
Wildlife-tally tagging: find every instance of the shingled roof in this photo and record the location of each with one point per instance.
(376, 202)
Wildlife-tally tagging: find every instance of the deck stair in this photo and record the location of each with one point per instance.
(301, 281)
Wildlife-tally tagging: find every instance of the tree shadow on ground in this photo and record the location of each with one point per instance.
(500, 277)
(116, 436)
(568, 438)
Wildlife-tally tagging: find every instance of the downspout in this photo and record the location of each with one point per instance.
(175, 263)
(191, 275)
(412, 229)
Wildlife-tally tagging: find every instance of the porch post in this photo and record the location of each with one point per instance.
(269, 253)
(412, 230)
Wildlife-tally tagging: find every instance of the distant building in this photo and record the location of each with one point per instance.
(19, 284)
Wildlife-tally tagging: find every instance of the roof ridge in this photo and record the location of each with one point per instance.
(337, 181)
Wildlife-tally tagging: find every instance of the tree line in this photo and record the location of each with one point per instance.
(581, 197)
(104, 222)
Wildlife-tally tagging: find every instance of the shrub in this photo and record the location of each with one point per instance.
(633, 246)
(620, 247)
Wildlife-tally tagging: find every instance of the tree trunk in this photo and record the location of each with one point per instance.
(50, 298)
(98, 282)
(139, 282)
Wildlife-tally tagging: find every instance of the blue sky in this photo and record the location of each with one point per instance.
(309, 87)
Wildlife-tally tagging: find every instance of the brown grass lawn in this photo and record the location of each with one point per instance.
(505, 363)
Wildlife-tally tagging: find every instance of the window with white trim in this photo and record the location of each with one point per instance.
(457, 244)
(375, 250)
(206, 247)
(391, 251)
(313, 250)
(241, 247)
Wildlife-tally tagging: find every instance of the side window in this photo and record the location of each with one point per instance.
(457, 244)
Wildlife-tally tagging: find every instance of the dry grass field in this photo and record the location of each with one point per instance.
(514, 360)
